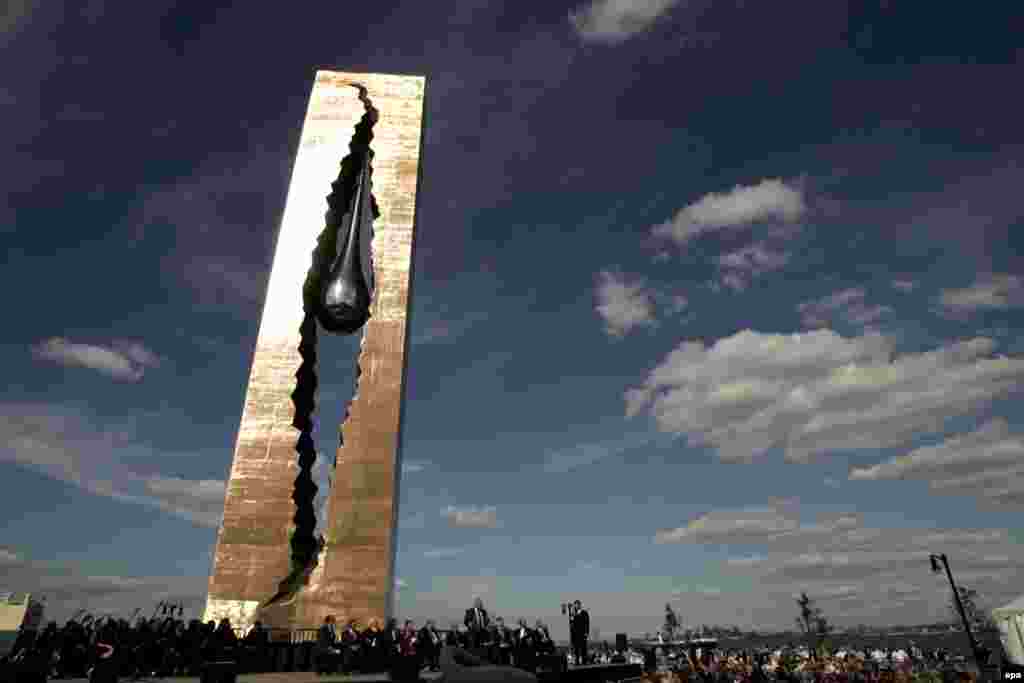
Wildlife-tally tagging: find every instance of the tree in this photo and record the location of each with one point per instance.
(812, 621)
(969, 598)
(671, 622)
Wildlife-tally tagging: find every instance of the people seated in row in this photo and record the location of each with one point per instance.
(170, 647)
(150, 647)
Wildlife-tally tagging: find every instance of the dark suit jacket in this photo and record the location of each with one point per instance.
(425, 640)
(469, 620)
(521, 640)
(581, 625)
(325, 638)
(258, 637)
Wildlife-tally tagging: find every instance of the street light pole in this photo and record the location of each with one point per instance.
(960, 608)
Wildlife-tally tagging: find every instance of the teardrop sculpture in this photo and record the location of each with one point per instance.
(346, 294)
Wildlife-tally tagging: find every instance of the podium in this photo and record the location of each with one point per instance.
(219, 672)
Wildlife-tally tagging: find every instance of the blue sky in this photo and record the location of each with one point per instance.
(713, 302)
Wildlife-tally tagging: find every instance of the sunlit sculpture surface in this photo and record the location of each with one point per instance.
(269, 565)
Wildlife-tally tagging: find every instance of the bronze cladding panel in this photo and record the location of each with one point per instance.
(253, 554)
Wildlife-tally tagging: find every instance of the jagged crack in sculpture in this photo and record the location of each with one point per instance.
(338, 292)
(345, 261)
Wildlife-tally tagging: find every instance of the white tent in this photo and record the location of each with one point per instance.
(1010, 619)
(13, 607)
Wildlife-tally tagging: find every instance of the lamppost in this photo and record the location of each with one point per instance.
(979, 657)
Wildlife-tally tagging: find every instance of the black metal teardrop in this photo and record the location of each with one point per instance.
(343, 305)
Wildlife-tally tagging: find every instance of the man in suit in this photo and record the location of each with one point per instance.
(327, 652)
(579, 632)
(257, 645)
(504, 642)
(524, 647)
(542, 638)
(430, 645)
(352, 647)
(477, 622)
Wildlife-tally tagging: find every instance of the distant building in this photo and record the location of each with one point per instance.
(17, 611)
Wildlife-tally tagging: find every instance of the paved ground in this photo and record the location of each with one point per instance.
(284, 677)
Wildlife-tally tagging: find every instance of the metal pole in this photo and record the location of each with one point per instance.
(963, 616)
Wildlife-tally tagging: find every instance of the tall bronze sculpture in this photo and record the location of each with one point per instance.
(269, 564)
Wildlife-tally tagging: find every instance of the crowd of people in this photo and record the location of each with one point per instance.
(406, 650)
(105, 648)
(800, 665)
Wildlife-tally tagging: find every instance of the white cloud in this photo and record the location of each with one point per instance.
(416, 521)
(17, 14)
(858, 573)
(201, 501)
(768, 200)
(869, 569)
(128, 363)
(734, 281)
(776, 522)
(65, 444)
(816, 392)
(848, 305)
(678, 304)
(208, 213)
(471, 517)
(755, 258)
(997, 291)
(66, 590)
(9, 557)
(740, 267)
(623, 304)
(904, 285)
(987, 462)
(613, 21)
(448, 331)
(568, 459)
(413, 466)
(670, 303)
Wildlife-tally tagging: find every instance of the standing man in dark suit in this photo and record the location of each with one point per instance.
(579, 631)
(477, 622)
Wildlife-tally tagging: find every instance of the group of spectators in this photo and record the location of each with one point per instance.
(106, 648)
(405, 651)
(799, 665)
